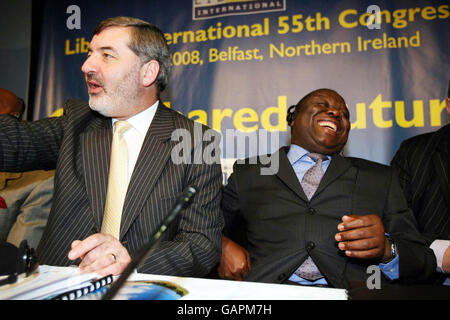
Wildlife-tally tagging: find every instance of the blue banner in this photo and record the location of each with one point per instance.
(238, 65)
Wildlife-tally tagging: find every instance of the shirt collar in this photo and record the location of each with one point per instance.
(141, 121)
(296, 152)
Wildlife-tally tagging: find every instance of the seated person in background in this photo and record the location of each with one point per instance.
(25, 197)
(423, 165)
(304, 229)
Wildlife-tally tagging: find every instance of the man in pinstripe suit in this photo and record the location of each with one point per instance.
(127, 67)
(423, 165)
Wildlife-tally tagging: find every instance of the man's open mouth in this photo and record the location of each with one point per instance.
(94, 87)
(328, 124)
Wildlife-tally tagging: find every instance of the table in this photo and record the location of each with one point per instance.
(215, 289)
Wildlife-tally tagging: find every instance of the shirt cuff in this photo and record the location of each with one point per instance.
(391, 269)
(439, 247)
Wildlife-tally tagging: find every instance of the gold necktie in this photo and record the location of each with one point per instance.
(117, 182)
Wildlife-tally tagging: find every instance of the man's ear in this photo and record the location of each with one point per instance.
(149, 71)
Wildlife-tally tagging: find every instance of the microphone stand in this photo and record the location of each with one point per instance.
(182, 202)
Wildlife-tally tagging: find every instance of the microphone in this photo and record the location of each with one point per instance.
(16, 261)
(183, 201)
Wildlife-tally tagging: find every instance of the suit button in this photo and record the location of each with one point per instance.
(310, 245)
(312, 211)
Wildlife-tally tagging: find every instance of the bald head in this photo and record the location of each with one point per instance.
(10, 103)
(321, 123)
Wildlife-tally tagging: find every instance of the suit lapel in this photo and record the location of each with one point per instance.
(95, 153)
(287, 174)
(338, 166)
(441, 162)
(154, 154)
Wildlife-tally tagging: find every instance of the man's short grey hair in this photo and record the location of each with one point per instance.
(147, 42)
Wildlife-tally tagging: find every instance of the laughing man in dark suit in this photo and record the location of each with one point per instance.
(127, 67)
(356, 217)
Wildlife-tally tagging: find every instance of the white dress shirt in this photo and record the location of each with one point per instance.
(439, 247)
(135, 136)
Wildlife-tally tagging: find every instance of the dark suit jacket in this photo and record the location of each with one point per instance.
(283, 227)
(423, 165)
(78, 145)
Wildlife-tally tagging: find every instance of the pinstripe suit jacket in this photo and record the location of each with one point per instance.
(78, 145)
(423, 165)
